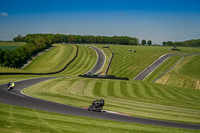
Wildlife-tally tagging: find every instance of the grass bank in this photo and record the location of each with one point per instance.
(185, 74)
(17, 119)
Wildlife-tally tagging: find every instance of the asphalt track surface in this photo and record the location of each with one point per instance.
(100, 61)
(15, 97)
(152, 67)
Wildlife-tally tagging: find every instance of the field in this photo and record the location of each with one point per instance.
(185, 74)
(10, 45)
(17, 120)
(172, 100)
(129, 64)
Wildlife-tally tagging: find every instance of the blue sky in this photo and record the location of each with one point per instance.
(156, 20)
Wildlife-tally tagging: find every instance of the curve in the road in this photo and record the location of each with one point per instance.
(100, 61)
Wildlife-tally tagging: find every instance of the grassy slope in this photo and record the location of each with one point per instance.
(84, 62)
(187, 78)
(129, 64)
(141, 99)
(53, 60)
(17, 119)
(192, 67)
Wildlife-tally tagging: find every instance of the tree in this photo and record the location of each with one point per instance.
(149, 42)
(133, 42)
(143, 42)
(164, 43)
(170, 43)
(19, 38)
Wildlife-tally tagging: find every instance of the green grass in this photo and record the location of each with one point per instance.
(129, 64)
(20, 120)
(12, 43)
(141, 99)
(185, 74)
(53, 60)
(192, 68)
(84, 62)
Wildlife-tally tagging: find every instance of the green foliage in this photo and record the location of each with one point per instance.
(143, 42)
(149, 42)
(188, 43)
(19, 38)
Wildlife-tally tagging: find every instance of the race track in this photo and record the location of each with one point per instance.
(152, 67)
(15, 97)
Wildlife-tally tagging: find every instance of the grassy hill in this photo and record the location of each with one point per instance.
(129, 64)
(185, 74)
(53, 60)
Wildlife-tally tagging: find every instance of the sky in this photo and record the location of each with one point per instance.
(156, 20)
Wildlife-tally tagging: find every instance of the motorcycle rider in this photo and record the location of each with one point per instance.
(13, 84)
(102, 102)
(95, 103)
(9, 83)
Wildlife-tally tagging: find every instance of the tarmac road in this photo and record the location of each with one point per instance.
(100, 61)
(15, 97)
(152, 67)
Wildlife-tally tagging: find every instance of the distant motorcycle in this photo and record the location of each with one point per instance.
(97, 105)
(10, 88)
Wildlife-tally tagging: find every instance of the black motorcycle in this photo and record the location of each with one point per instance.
(97, 105)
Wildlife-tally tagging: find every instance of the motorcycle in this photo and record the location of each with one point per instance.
(10, 88)
(97, 105)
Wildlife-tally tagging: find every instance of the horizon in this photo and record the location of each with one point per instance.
(167, 20)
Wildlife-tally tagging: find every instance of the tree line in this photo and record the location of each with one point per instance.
(187, 43)
(38, 42)
(60, 38)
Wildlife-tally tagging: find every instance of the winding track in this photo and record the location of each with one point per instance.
(152, 67)
(15, 97)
